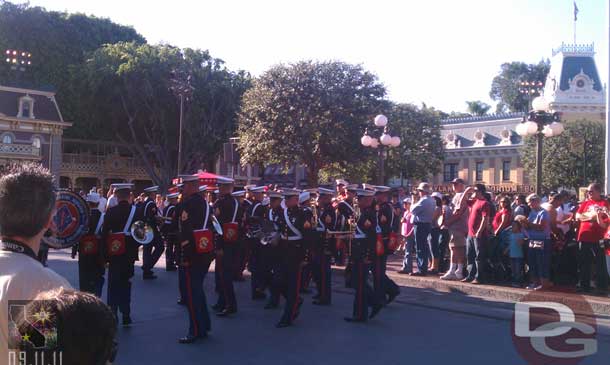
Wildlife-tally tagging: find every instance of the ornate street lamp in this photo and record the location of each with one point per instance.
(381, 141)
(540, 122)
(182, 89)
(530, 88)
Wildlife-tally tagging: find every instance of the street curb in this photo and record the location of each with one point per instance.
(599, 305)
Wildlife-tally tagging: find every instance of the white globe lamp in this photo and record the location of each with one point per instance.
(381, 120)
(365, 140)
(386, 139)
(540, 104)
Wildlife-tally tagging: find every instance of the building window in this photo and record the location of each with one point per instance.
(36, 142)
(479, 171)
(505, 170)
(7, 139)
(26, 107)
(450, 171)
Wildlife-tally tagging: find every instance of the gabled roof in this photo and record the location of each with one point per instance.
(45, 106)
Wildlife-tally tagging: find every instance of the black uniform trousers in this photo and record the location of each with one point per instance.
(90, 274)
(365, 296)
(272, 272)
(170, 252)
(120, 272)
(382, 284)
(254, 265)
(321, 270)
(191, 285)
(292, 255)
(224, 276)
(151, 253)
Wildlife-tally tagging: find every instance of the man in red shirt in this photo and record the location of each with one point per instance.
(593, 217)
(478, 234)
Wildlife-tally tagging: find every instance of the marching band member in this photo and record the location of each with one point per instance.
(361, 251)
(197, 252)
(294, 226)
(227, 210)
(307, 204)
(345, 211)
(152, 251)
(385, 288)
(121, 251)
(269, 264)
(170, 231)
(242, 254)
(91, 265)
(324, 246)
(253, 218)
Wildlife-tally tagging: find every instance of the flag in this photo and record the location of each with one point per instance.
(575, 11)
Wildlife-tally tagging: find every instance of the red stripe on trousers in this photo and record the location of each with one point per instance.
(189, 294)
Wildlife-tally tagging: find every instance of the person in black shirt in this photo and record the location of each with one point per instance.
(196, 240)
(91, 266)
(254, 217)
(385, 288)
(227, 210)
(120, 250)
(324, 246)
(152, 251)
(294, 226)
(169, 230)
(361, 251)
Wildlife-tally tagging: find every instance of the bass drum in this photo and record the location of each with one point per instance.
(70, 222)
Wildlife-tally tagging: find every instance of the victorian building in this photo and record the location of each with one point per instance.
(31, 128)
(486, 149)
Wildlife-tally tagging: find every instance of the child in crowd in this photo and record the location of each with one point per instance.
(515, 252)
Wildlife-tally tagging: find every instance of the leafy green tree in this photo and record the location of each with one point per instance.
(478, 107)
(573, 159)
(420, 153)
(128, 96)
(57, 41)
(310, 113)
(505, 86)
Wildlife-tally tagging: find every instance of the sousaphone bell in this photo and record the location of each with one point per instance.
(142, 232)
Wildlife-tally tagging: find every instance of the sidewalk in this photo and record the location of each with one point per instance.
(599, 304)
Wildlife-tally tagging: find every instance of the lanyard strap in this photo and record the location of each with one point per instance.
(18, 247)
(99, 224)
(207, 215)
(291, 226)
(127, 228)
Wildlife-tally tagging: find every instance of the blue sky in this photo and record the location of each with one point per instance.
(441, 52)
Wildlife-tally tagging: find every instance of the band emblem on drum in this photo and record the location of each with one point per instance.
(70, 222)
(116, 246)
(231, 233)
(88, 246)
(203, 243)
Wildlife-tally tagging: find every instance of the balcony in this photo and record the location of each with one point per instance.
(19, 150)
(98, 165)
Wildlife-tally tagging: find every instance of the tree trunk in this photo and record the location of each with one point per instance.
(312, 176)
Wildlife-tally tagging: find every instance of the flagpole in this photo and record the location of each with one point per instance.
(607, 158)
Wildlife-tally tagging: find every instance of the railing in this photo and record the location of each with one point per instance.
(483, 118)
(574, 48)
(97, 164)
(19, 149)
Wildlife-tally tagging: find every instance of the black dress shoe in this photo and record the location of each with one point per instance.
(283, 324)
(150, 276)
(393, 296)
(317, 296)
(187, 339)
(353, 320)
(375, 311)
(181, 302)
(226, 312)
(319, 302)
(270, 306)
(171, 268)
(218, 308)
(127, 321)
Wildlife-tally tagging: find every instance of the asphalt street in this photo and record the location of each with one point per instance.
(422, 326)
